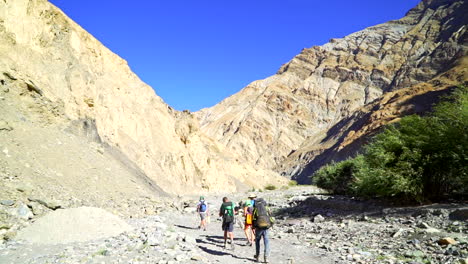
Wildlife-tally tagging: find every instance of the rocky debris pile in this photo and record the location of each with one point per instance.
(73, 225)
(377, 234)
(150, 240)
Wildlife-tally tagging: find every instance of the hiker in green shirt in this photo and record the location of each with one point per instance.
(227, 212)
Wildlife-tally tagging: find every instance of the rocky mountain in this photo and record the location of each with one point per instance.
(324, 103)
(77, 122)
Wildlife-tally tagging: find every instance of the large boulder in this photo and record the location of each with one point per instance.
(73, 225)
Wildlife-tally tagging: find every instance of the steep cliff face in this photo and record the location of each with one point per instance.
(288, 120)
(45, 52)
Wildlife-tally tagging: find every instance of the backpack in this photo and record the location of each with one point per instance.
(202, 207)
(249, 213)
(262, 217)
(228, 215)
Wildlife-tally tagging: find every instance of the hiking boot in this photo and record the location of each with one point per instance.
(265, 259)
(256, 259)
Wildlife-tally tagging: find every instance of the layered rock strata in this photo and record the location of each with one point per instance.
(286, 121)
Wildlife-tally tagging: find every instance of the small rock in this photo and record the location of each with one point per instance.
(463, 261)
(7, 202)
(397, 233)
(24, 212)
(318, 219)
(5, 126)
(446, 241)
(196, 258)
(189, 239)
(53, 205)
(428, 229)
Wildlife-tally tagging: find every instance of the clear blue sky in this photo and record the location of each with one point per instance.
(196, 53)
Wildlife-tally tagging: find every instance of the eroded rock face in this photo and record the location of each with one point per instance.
(314, 101)
(50, 56)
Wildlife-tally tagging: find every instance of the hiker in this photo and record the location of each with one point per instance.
(248, 215)
(238, 215)
(227, 212)
(202, 210)
(262, 222)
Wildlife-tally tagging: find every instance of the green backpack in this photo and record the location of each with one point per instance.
(228, 215)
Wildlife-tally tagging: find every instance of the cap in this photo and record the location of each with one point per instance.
(202, 198)
(252, 195)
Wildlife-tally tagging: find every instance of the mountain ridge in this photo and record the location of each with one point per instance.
(271, 119)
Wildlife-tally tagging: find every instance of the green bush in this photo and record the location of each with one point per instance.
(338, 177)
(292, 183)
(419, 158)
(270, 187)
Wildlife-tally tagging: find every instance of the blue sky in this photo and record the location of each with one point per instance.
(196, 53)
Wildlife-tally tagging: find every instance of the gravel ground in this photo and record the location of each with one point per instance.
(310, 228)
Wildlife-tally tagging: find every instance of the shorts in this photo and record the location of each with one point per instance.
(202, 215)
(229, 227)
(247, 226)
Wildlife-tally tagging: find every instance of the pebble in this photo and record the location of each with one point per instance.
(7, 202)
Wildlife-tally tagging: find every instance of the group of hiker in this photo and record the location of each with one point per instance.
(256, 221)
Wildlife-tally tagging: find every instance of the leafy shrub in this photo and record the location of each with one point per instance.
(337, 177)
(270, 187)
(292, 183)
(420, 158)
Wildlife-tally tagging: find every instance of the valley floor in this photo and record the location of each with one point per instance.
(310, 228)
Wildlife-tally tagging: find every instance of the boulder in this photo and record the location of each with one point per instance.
(73, 225)
(318, 218)
(459, 214)
(446, 241)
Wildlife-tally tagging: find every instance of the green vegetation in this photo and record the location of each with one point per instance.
(270, 187)
(292, 183)
(419, 158)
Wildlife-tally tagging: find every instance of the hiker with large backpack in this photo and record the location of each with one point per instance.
(227, 212)
(202, 210)
(248, 215)
(262, 222)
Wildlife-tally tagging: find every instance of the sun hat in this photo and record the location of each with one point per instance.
(252, 195)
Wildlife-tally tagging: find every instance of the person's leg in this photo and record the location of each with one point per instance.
(252, 234)
(203, 220)
(258, 236)
(231, 234)
(266, 242)
(248, 232)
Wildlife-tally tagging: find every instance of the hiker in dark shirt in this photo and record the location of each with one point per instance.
(262, 222)
(227, 212)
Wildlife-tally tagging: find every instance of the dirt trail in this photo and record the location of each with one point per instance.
(285, 250)
(211, 242)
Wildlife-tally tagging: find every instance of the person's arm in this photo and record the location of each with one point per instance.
(221, 211)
